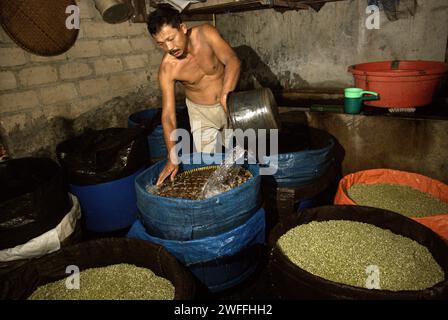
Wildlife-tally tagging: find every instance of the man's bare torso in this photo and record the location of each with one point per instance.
(200, 72)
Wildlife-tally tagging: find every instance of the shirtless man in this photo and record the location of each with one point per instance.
(207, 67)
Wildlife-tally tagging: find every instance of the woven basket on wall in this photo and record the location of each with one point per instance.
(38, 26)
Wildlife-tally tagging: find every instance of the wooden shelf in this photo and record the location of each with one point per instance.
(205, 10)
(225, 6)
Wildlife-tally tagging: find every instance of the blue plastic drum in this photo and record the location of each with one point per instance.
(184, 219)
(108, 206)
(156, 142)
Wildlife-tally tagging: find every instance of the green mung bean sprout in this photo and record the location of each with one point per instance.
(114, 282)
(401, 199)
(341, 251)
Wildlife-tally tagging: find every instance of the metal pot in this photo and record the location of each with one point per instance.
(254, 109)
(114, 11)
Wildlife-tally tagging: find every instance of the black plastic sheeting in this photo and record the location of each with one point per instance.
(292, 282)
(8, 266)
(22, 282)
(99, 156)
(33, 199)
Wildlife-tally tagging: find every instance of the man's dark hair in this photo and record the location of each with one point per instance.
(165, 15)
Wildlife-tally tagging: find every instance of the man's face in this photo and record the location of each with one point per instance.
(172, 40)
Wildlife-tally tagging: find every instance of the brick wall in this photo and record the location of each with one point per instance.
(107, 61)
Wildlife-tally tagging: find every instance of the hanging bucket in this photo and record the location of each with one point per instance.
(114, 11)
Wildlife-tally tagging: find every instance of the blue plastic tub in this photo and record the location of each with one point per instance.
(184, 219)
(156, 142)
(296, 169)
(222, 261)
(108, 206)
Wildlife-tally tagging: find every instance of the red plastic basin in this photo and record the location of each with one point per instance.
(400, 84)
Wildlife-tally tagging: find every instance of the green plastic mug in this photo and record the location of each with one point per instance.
(353, 98)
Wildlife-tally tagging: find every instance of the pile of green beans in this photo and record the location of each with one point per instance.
(342, 251)
(397, 198)
(114, 282)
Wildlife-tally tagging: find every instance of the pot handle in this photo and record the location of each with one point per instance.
(374, 95)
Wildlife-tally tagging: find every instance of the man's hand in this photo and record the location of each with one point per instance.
(169, 170)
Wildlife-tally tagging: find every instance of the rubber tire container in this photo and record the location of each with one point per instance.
(292, 282)
(21, 283)
(33, 199)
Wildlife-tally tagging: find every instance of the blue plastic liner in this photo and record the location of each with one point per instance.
(301, 168)
(211, 258)
(183, 219)
(209, 248)
(108, 206)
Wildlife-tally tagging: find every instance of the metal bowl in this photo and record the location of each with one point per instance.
(255, 109)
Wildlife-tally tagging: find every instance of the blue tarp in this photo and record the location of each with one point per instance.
(184, 219)
(209, 248)
(301, 168)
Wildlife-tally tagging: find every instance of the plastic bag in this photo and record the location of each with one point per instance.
(217, 182)
(99, 156)
(33, 199)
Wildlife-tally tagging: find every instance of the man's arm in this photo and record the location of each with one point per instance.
(168, 120)
(227, 57)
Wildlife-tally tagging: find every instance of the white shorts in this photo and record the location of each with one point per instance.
(207, 123)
